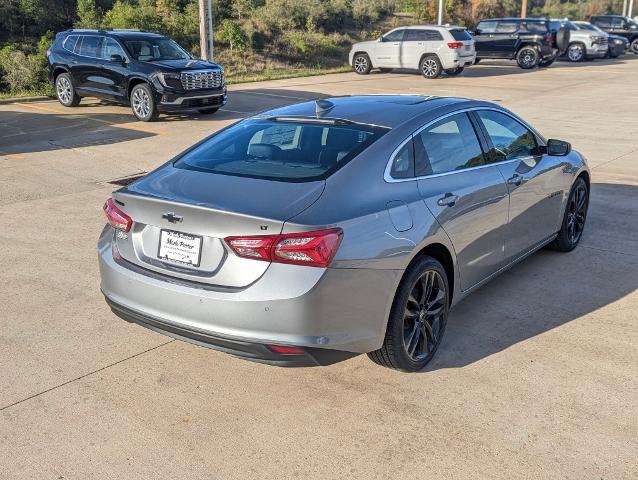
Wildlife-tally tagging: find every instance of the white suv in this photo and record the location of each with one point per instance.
(431, 49)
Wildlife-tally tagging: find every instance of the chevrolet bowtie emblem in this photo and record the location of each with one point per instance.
(171, 217)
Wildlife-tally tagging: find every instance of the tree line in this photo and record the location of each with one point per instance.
(249, 34)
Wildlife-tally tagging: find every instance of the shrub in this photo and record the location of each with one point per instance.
(88, 15)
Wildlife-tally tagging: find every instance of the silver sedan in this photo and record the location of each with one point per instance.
(315, 232)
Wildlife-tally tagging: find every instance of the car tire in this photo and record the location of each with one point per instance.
(424, 288)
(546, 63)
(430, 67)
(208, 111)
(527, 57)
(453, 72)
(634, 45)
(143, 103)
(576, 52)
(65, 92)
(361, 64)
(574, 218)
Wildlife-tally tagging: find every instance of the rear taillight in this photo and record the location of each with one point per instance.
(314, 249)
(455, 45)
(116, 217)
(283, 350)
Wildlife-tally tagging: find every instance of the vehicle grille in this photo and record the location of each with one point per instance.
(202, 79)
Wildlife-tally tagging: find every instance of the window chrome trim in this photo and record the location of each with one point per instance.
(388, 168)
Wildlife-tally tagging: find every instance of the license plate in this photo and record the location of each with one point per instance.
(180, 247)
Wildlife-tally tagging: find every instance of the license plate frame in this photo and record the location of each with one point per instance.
(177, 250)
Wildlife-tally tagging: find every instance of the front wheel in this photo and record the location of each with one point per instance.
(417, 318)
(527, 57)
(430, 67)
(634, 45)
(65, 92)
(576, 52)
(143, 103)
(453, 72)
(361, 64)
(574, 218)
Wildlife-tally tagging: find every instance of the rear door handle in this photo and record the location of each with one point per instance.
(447, 200)
(515, 179)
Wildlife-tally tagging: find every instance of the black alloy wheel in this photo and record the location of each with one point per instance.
(418, 318)
(574, 219)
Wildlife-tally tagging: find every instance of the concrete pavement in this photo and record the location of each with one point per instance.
(537, 376)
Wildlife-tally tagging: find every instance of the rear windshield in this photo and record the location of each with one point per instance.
(461, 35)
(285, 150)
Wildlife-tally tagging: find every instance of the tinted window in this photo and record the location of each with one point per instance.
(412, 35)
(535, 27)
(395, 36)
(280, 150)
(602, 21)
(487, 27)
(507, 27)
(159, 48)
(69, 42)
(91, 45)
(617, 23)
(403, 162)
(510, 139)
(111, 47)
(461, 35)
(447, 145)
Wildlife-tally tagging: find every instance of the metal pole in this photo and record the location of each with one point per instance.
(524, 9)
(203, 44)
(630, 12)
(210, 30)
(624, 7)
(440, 12)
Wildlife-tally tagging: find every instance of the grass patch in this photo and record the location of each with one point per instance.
(44, 91)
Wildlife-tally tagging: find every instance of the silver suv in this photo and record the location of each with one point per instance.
(583, 43)
(432, 49)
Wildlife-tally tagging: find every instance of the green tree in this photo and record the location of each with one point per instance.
(230, 32)
(88, 14)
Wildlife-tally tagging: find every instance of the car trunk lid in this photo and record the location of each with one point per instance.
(181, 217)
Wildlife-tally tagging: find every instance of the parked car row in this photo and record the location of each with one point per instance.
(531, 42)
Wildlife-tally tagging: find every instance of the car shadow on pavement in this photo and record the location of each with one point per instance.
(550, 289)
(27, 132)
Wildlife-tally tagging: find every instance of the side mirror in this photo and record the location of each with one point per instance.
(476, 32)
(557, 148)
(116, 59)
(380, 39)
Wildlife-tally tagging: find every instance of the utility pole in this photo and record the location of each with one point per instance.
(630, 12)
(203, 41)
(524, 9)
(211, 50)
(440, 12)
(624, 7)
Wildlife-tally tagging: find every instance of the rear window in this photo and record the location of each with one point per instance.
(69, 42)
(461, 35)
(536, 27)
(286, 150)
(488, 26)
(413, 35)
(507, 27)
(91, 46)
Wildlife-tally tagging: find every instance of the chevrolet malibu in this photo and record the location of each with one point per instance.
(315, 232)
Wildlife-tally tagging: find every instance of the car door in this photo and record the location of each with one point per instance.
(114, 72)
(484, 38)
(465, 193)
(535, 182)
(505, 40)
(87, 67)
(387, 51)
(415, 43)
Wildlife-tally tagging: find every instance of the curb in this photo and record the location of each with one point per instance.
(8, 101)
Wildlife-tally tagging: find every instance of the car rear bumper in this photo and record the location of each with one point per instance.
(342, 310)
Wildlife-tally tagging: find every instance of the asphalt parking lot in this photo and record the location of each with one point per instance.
(537, 376)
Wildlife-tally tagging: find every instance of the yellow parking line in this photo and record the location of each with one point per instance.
(99, 120)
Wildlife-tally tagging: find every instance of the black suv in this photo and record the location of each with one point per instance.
(148, 71)
(529, 41)
(619, 25)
